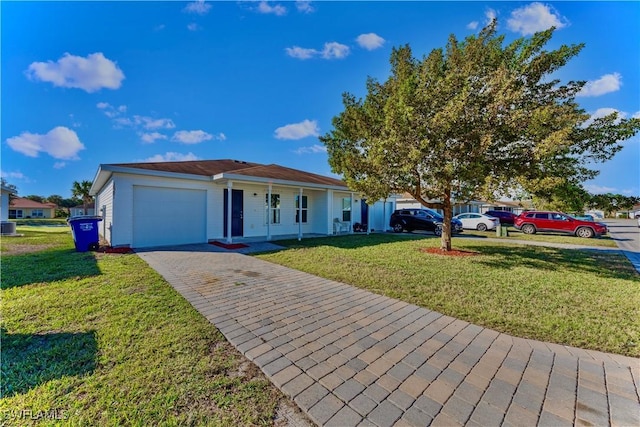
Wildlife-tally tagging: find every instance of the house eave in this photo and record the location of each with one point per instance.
(106, 171)
(225, 177)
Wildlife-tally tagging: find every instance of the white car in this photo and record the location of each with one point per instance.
(477, 221)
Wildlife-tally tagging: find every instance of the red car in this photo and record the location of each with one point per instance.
(531, 222)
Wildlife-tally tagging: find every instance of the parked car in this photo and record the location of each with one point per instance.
(477, 221)
(505, 217)
(421, 219)
(584, 217)
(533, 221)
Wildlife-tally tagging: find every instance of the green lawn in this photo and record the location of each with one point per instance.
(515, 234)
(584, 299)
(102, 339)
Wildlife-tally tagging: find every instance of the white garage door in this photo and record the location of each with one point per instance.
(168, 216)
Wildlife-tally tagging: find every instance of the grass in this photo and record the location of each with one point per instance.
(102, 339)
(514, 234)
(586, 299)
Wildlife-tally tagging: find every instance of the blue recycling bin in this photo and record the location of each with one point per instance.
(84, 230)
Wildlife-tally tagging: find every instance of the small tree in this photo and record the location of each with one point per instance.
(13, 190)
(475, 119)
(81, 191)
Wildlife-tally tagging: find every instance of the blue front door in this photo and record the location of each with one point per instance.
(237, 206)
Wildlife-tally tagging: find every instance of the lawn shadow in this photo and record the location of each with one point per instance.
(354, 241)
(601, 262)
(46, 266)
(29, 360)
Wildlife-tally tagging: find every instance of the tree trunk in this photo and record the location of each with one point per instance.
(445, 242)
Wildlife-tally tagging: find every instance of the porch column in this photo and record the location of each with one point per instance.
(269, 212)
(229, 211)
(369, 209)
(300, 215)
(384, 215)
(352, 212)
(329, 221)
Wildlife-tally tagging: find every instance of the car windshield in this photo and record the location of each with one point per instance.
(434, 214)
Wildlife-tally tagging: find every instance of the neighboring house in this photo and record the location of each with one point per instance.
(507, 205)
(26, 208)
(407, 201)
(169, 203)
(4, 207)
(79, 210)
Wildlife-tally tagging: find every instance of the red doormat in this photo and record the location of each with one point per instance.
(229, 245)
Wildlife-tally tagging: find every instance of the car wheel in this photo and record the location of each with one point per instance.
(528, 229)
(437, 231)
(585, 232)
(397, 227)
(482, 227)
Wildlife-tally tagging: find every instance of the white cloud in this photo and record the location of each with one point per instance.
(300, 52)
(171, 157)
(13, 175)
(599, 189)
(265, 7)
(199, 7)
(473, 25)
(535, 17)
(490, 15)
(159, 27)
(150, 138)
(314, 149)
(335, 50)
(298, 130)
(59, 165)
(603, 112)
(89, 74)
(151, 123)
(191, 136)
(370, 41)
(193, 27)
(220, 137)
(605, 84)
(304, 6)
(60, 143)
(636, 115)
(103, 105)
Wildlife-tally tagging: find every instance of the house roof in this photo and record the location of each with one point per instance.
(220, 171)
(22, 203)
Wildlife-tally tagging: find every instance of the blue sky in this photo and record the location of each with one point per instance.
(86, 83)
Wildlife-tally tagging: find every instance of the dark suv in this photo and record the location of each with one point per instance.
(533, 221)
(505, 217)
(421, 219)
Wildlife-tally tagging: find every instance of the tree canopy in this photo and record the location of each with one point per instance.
(81, 191)
(477, 118)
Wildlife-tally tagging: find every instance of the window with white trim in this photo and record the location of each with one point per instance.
(37, 213)
(346, 209)
(273, 208)
(304, 209)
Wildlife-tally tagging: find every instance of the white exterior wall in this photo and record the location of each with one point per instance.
(255, 214)
(104, 204)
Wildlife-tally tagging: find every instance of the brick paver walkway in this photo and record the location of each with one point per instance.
(350, 357)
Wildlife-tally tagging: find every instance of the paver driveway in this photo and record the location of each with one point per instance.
(351, 357)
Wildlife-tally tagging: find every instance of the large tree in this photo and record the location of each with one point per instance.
(475, 119)
(81, 191)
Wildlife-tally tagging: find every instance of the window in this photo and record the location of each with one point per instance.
(273, 208)
(304, 208)
(542, 216)
(37, 213)
(346, 209)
